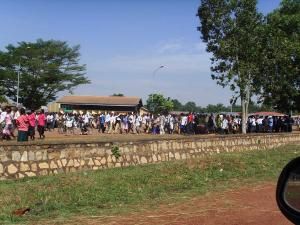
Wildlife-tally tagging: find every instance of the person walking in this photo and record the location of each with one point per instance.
(31, 129)
(2, 121)
(183, 123)
(49, 119)
(125, 123)
(211, 124)
(8, 128)
(224, 125)
(14, 115)
(107, 122)
(270, 124)
(138, 123)
(22, 123)
(131, 122)
(118, 129)
(162, 120)
(102, 123)
(41, 124)
(190, 124)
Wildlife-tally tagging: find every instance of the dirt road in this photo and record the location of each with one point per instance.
(247, 205)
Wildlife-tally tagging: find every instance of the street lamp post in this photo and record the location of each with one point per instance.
(18, 84)
(157, 69)
(153, 75)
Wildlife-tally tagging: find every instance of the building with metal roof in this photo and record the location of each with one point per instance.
(80, 103)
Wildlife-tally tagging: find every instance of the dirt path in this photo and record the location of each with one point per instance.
(247, 205)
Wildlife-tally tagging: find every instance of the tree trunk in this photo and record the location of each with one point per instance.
(244, 116)
(245, 98)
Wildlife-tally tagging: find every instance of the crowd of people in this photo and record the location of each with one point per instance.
(27, 122)
(12, 119)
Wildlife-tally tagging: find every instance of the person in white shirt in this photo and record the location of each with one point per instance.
(131, 123)
(235, 125)
(171, 124)
(49, 119)
(224, 125)
(183, 123)
(117, 129)
(162, 120)
(138, 123)
(125, 123)
(2, 120)
(252, 124)
(8, 127)
(107, 121)
(259, 122)
(86, 119)
(112, 123)
(15, 114)
(145, 123)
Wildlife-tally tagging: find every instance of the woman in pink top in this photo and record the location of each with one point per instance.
(41, 124)
(22, 125)
(31, 130)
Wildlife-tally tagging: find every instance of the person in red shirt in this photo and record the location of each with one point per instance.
(22, 123)
(41, 124)
(190, 124)
(32, 121)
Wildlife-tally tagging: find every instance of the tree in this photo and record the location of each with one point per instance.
(2, 96)
(177, 105)
(45, 67)
(190, 107)
(157, 103)
(217, 108)
(231, 29)
(280, 58)
(2, 99)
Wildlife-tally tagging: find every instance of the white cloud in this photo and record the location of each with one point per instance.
(170, 47)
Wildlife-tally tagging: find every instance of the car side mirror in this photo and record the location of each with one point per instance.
(288, 191)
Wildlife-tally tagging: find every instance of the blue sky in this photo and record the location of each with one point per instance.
(123, 42)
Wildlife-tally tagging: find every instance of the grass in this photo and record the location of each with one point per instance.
(119, 190)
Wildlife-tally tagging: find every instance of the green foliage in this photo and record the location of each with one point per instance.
(157, 103)
(280, 57)
(107, 192)
(46, 68)
(187, 107)
(2, 99)
(231, 28)
(252, 53)
(177, 106)
(2, 95)
(217, 108)
(190, 107)
(116, 151)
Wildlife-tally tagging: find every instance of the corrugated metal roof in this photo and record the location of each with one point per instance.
(100, 100)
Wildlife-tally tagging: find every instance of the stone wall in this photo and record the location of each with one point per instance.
(36, 159)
